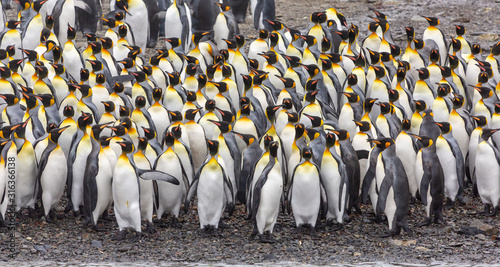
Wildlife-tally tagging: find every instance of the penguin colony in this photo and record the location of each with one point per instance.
(312, 123)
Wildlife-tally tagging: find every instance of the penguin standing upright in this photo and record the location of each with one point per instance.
(262, 10)
(137, 19)
(430, 177)
(213, 188)
(12, 36)
(178, 23)
(52, 174)
(434, 34)
(267, 195)
(487, 172)
(225, 26)
(88, 14)
(64, 16)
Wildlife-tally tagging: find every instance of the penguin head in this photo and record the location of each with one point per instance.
(119, 88)
(443, 89)
(177, 131)
(140, 102)
(37, 5)
(267, 139)
(352, 79)
(476, 49)
(480, 120)
(293, 117)
(311, 96)
(110, 22)
(58, 68)
(458, 101)
(445, 127)
(259, 78)
(5, 72)
(46, 99)
(12, 24)
(326, 64)
(351, 97)
(226, 115)
(149, 133)
(293, 61)
(263, 34)
(318, 17)
(247, 138)
(373, 26)
(330, 140)
(368, 104)
(142, 143)
(401, 74)
(106, 42)
(122, 31)
(253, 63)
(221, 86)
(495, 49)
(312, 134)
(426, 141)
(311, 85)
(271, 112)
(31, 100)
(487, 133)
(6, 131)
(405, 124)
(240, 40)
(119, 15)
(460, 30)
(140, 76)
(418, 43)
(385, 107)
(54, 134)
(213, 147)
(273, 149)
(382, 143)
(395, 50)
(432, 21)
(385, 56)
(273, 39)
(287, 103)
(191, 69)
(307, 153)
(379, 72)
(91, 37)
(420, 105)
(309, 39)
(31, 54)
(123, 5)
(410, 32)
(84, 75)
(485, 92)
(326, 45)
(96, 65)
(202, 81)
(173, 41)
(423, 73)
(127, 146)
(85, 89)
(210, 105)
(270, 56)
(100, 78)
(175, 116)
(223, 126)
(25, 89)
(119, 130)
(49, 21)
(50, 127)
(174, 78)
(14, 64)
(10, 99)
(105, 140)
(25, 4)
(364, 126)
(287, 82)
(427, 113)
(3, 54)
(341, 134)
(197, 36)
(497, 107)
(20, 131)
(300, 129)
(96, 47)
(456, 45)
(68, 111)
(191, 113)
(97, 129)
(434, 55)
(84, 120)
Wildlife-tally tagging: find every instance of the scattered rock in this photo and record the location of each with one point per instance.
(488, 229)
(269, 257)
(456, 244)
(124, 249)
(395, 242)
(96, 244)
(488, 37)
(40, 248)
(422, 248)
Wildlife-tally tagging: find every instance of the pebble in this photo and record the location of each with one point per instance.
(124, 249)
(96, 244)
(40, 248)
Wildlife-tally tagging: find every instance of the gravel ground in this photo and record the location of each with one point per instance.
(358, 241)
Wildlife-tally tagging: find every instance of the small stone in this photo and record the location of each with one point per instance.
(269, 257)
(40, 248)
(96, 244)
(124, 249)
(422, 248)
(291, 249)
(356, 254)
(410, 243)
(47, 247)
(395, 242)
(489, 37)
(488, 229)
(455, 244)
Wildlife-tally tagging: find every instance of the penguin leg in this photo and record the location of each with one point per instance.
(254, 233)
(150, 228)
(312, 231)
(426, 222)
(223, 225)
(449, 204)
(49, 218)
(333, 226)
(493, 213)
(21, 215)
(486, 210)
(33, 213)
(106, 217)
(120, 236)
(267, 237)
(69, 207)
(175, 223)
(137, 237)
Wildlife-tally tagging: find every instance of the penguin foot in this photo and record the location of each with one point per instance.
(98, 229)
(312, 231)
(69, 207)
(254, 233)
(209, 231)
(175, 223)
(49, 218)
(334, 226)
(137, 237)
(120, 236)
(425, 223)
(267, 237)
(486, 210)
(106, 217)
(493, 214)
(150, 228)
(21, 215)
(34, 214)
(449, 204)
(391, 233)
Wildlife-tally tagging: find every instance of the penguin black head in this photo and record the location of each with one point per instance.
(84, 120)
(191, 113)
(271, 112)
(485, 92)
(38, 5)
(444, 126)
(273, 39)
(326, 64)
(247, 138)
(197, 36)
(122, 31)
(6, 131)
(312, 133)
(267, 140)
(385, 56)
(395, 50)
(311, 96)
(364, 126)
(69, 111)
(175, 116)
(312, 69)
(139, 76)
(100, 78)
(142, 143)
(127, 147)
(434, 55)
(190, 96)
(223, 126)
(245, 110)
(458, 101)
(405, 124)
(97, 129)
(330, 140)
(420, 105)
(202, 80)
(210, 105)
(373, 26)
(307, 153)
(49, 21)
(382, 143)
(419, 43)
(309, 40)
(105, 140)
(460, 30)
(173, 41)
(174, 78)
(259, 78)
(70, 33)
(270, 57)
(293, 61)
(456, 45)
(368, 104)
(20, 131)
(476, 49)
(426, 141)
(3, 54)
(119, 88)
(311, 85)
(85, 90)
(149, 133)
(379, 72)
(351, 97)
(191, 69)
(497, 107)
(213, 147)
(119, 130)
(177, 131)
(326, 45)
(12, 24)
(487, 133)
(31, 54)
(443, 89)
(342, 134)
(10, 99)
(480, 120)
(96, 47)
(140, 102)
(287, 82)
(352, 79)
(84, 75)
(273, 149)
(300, 129)
(124, 111)
(25, 4)
(96, 65)
(58, 68)
(374, 56)
(432, 21)
(119, 15)
(293, 117)
(31, 100)
(287, 103)
(226, 115)
(423, 73)
(14, 64)
(401, 74)
(253, 63)
(495, 49)
(221, 86)
(54, 134)
(46, 99)
(157, 94)
(385, 108)
(106, 42)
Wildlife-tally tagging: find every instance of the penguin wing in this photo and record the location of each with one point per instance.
(228, 191)
(157, 176)
(71, 159)
(370, 173)
(90, 185)
(362, 154)
(235, 153)
(250, 156)
(43, 162)
(56, 13)
(495, 150)
(457, 153)
(258, 187)
(426, 178)
(191, 191)
(384, 191)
